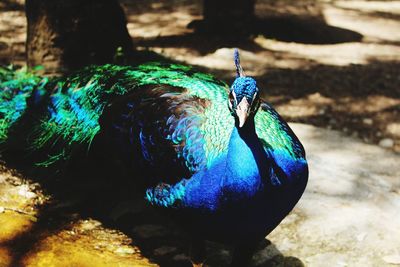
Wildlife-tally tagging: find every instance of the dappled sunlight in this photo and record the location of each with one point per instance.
(17, 201)
(220, 60)
(316, 104)
(144, 26)
(14, 18)
(85, 243)
(349, 202)
(378, 29)
(13, 225)
(12, 36)
(312, 104)
(377, 6)
(367, 104)
(35, 232)
(300, 55)
(366, 115)
(152, 19)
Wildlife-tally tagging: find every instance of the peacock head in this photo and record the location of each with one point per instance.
(244, 99)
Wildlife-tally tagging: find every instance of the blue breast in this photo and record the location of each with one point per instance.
(233, 177)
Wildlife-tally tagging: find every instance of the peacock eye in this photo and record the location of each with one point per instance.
(232, 100)
(255, 103)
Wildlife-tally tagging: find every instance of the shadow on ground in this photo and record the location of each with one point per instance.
(301, 22)
(307, 30)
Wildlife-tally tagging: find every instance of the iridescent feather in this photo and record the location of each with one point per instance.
(76, 104)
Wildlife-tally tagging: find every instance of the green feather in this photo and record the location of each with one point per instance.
(16, 86)
(76, 103)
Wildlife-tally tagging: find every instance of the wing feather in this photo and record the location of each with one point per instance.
(275, 133)
(281, 143)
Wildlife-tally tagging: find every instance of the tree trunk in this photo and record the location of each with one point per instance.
(66, 35)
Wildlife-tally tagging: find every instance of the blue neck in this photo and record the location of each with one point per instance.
(247, 162)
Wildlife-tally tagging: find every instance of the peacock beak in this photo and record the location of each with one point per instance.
(242, 111)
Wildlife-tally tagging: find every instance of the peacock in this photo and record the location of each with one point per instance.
(219, 159)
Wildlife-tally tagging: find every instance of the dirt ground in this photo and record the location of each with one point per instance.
(334, 64)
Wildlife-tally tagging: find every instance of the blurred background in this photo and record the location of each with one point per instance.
(332, 64)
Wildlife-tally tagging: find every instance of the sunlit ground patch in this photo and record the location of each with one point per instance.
(78, 243)
(13, 224)
(86, 243)
(17, 201)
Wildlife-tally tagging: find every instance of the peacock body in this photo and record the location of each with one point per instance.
(221, 160)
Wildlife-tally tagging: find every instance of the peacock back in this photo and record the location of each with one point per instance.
(169, 107)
